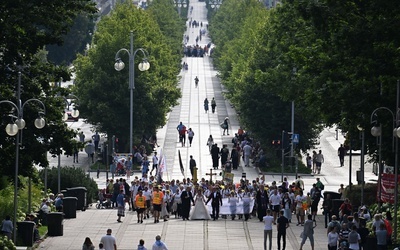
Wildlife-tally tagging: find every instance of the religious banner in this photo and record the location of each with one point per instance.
(234, 206)
(386, 189)
(228, 177)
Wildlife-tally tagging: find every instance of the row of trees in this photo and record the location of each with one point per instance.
(103, 91)
(26, 27)
(29, 28)
(337, 61)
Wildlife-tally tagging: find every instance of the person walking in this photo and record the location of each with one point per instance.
(206, 105)
(216, 201)
(215, 156)
(96, 140)
(121, 205)
(159, 245)
(7, 227)
(140, 205)
(192, 166)
(282, 225)
(196, 81)
(213, 105)
(141, 245)
(190, 136)
(327, 206)
(225, 126)
(109, 241)
(319, 160)
(247, 149)
(210, 143)
(333, 238)
(155, 163)
(87, 245)
(308, 232)
(186, 198)
(157, 202)
(341, 154)
(268, 220)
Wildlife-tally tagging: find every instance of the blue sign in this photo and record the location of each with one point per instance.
(295, 138)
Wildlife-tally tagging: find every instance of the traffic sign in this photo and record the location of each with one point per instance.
(295, 138)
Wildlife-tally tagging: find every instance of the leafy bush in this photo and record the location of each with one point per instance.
(354, 194)
(70, 177)
(7, 199)
(5, 243)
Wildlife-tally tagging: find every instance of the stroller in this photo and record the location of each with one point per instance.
(104, 201)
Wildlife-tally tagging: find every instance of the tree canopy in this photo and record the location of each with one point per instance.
(103, 92)
(337, 61)
(25, 28)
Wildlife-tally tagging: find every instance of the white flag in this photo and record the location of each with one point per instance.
(162, 166)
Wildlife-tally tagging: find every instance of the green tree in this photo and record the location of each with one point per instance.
(74, 41)
(103, 92)
(171, 25)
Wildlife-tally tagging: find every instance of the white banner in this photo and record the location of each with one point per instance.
(243, 205)
(162, 166)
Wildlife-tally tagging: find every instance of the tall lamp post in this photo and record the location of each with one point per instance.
(74, 114)
(12, 129)
(143, 66)
(377, 131)
(215, 4)
(361, 129)
(180, 4)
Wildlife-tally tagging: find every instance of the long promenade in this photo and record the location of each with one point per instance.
(176, 233)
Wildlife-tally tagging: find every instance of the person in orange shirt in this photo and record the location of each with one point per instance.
(140, 205)
(157, 201)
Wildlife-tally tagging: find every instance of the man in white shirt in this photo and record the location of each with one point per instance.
(268, 220)
(155, 163)
(148, 192)
(109, 241)
(300, 198)
(275, 201)
(247, 153)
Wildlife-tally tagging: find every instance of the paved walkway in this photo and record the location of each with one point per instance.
(178, 234)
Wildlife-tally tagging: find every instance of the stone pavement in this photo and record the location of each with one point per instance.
(178, 234)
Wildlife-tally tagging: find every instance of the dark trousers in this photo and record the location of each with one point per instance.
(215, 211)
(328, 217)
(283, 236)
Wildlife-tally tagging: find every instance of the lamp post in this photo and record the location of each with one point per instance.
(74, 114)
(215, 4)
(180, 4)
(361, 129)
(143, 66)
(377, 131)
(12, 129)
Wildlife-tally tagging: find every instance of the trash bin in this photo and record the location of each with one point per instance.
(334, 195)
(55, 225)
(336, 203)
(69, 207)
(25, 232)
(80, 193)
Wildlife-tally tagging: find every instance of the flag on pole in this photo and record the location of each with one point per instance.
(181, 164)
(162, 166)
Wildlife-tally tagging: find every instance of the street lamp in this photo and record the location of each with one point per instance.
(361, 129)
(180, 4)
(74, 114)
(12, 129)
(215, 4)
(377, 131)
(143, 66)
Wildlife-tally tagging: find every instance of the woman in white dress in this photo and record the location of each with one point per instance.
(176, 204)
(199, 211)
(164, 210)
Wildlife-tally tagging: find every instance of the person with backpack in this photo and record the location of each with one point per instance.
(346, 208)
(354, 239)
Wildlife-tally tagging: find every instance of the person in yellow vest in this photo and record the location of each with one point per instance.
(157, 201)
(140, 205)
